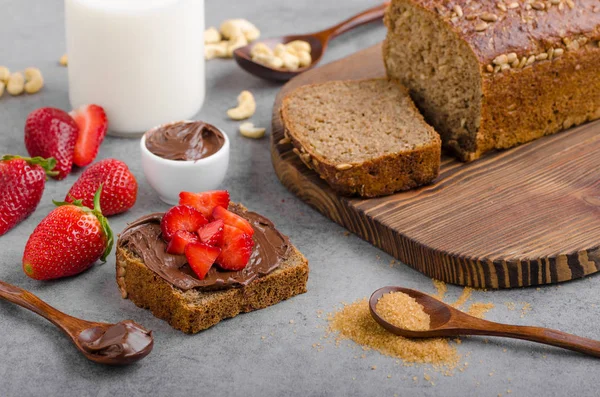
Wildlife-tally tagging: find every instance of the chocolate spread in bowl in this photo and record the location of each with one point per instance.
(185, 140)
(143, 238)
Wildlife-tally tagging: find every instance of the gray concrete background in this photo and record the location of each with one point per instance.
(232, 358)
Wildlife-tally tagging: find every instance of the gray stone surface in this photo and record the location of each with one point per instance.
(261, 353)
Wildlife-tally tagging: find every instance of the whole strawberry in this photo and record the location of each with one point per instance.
(68, 241)
(22, 182)
(119, 187)
(51, 132)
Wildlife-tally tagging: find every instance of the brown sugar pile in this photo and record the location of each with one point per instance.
(412, 316)
(354, 322)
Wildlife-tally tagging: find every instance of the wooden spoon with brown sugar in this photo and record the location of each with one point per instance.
(446, 321)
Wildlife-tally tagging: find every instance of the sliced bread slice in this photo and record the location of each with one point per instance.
(194, 310)
(363, 137)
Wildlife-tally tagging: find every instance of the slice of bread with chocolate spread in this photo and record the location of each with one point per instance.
(164, 283)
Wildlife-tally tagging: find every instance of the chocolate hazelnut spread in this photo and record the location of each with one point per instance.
(143, 238)
(185, 141)
(120, 343)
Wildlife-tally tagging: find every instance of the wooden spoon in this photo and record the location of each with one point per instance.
(112, 344)
(318, 42)
(447, 321)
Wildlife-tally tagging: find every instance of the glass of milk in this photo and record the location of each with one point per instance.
(141, 60)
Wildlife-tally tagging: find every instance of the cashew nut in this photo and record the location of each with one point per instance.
(279, 50)
(232, 28)
(298, 46)
(2, 85)
(250, 131)
(235, 43)
(218, 50)
(64, 60)
(34, 79)
(268, 60)
(4, 74)
(261, 49)
(305, 58)
(212, 36)
(246, 107)
(290, 56)
(16, 84)
(290, 62)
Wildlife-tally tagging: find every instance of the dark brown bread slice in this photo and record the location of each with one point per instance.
(363, 137)
(193, 311)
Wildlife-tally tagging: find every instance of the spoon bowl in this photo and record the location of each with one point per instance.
(318, 42)
(447, 321)
(118, 344)
(111, 344)
(440, 314)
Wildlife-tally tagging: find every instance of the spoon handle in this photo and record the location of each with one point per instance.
(541, 335)
(29, 301)
(370, 15)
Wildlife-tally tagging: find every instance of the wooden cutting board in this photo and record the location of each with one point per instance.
(521, 217)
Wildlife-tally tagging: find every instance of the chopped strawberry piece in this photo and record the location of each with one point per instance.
(179, 241)
(205, 202)
(212, 233)
(181, 217)
(93, 124)
(232, 219)
(201, 257)
(236, 250)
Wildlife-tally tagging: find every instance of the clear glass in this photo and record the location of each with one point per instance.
(142, 60)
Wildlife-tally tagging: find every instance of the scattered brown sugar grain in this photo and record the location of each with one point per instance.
(525, 309)
(354, 322)
(441, 289)
(464, 297)
(479, 309)
(403, 311)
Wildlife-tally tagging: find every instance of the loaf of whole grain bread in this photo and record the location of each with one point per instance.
(494, 74)
(364, 137)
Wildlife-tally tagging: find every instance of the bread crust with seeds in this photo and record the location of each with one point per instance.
(365, 175)
(530, 67)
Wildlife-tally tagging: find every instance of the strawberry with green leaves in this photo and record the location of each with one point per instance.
(68, 241)
(22, 182)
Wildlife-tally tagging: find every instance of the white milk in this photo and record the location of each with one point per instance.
(141, 60)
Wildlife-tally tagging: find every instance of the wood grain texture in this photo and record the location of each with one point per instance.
(521, 217)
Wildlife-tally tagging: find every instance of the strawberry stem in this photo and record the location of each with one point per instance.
(104, 223)
(97, 212)
(47, 164)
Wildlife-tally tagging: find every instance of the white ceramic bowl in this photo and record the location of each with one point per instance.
(170, 177)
